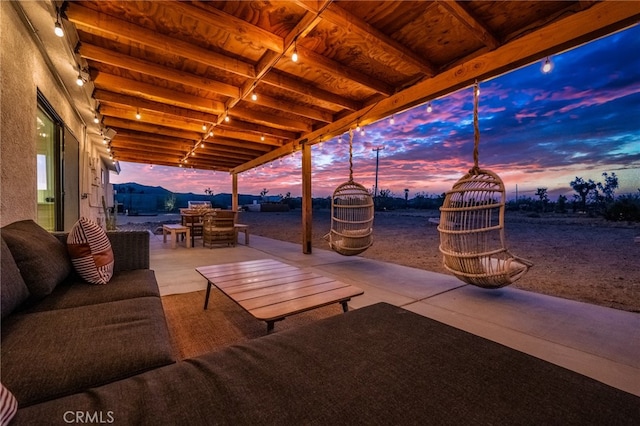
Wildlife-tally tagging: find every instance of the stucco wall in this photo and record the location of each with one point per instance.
(23, 71)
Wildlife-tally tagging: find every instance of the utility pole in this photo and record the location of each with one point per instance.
(375, 191)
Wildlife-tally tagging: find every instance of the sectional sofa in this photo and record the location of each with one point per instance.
(102, 355)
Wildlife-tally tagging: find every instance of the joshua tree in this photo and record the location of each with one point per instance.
(583, 188)
(406, 197)
(544, 198)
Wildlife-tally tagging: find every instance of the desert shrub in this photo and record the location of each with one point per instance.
(625, 208)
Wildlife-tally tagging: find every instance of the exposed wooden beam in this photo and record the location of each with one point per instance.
(283, 81)
(159, 94)
(151, 117)
(146, 156)
(105, 56)
(149, 128)
(322, 63)
(118, 29)
(117, 99)
(300, 110)
(477, 27)
(270, 120)
(208, 150)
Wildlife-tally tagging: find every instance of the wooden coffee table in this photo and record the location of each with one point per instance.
(271, 290)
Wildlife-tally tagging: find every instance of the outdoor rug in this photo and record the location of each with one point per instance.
(195, 331)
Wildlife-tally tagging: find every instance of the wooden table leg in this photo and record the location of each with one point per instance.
(174, 237)
(345, 307)
(206, 298)
(188, 242)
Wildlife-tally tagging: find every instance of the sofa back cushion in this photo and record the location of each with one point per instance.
(14, 291)
(42, 259)
(90, 251)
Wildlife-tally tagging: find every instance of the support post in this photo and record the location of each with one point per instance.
(306, 199)
(234, 192)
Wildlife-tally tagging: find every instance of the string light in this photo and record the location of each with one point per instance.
(57, 29)
(294, 57)
(392, 120)
(358, 127)
(362, 132)
(340, 139)
(202, 145)
(254, 96)
(262, 138)
(429, 107)
(547, 66)
(211, 133)
(138, 116)
(226, 116)
(95, 118)
(80, 79)
(204, 127)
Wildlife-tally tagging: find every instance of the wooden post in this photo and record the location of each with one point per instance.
(306, 199)
(234, 192)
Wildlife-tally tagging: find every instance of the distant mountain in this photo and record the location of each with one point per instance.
(140, 199)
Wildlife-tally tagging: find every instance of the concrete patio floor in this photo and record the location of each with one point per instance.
(595, 341)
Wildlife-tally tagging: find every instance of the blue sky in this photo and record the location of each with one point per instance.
(536, 130)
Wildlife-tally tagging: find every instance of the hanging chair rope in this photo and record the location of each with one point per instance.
(471, 227)
(351, 215)
(350, 155)
(476, 127)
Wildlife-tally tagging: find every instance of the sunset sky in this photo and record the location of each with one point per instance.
(536, 130)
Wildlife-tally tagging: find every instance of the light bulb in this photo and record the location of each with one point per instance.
(104, 141)
(138, 116)
(108, 149)
(202, 145)
(430, 108)
(546, 66)
(358, 127)
(294, 57)
(80, 80)
(96, 119)
(211, 134)
(254, 96)
(226, 118)
(151, 166)
(204, 127)
(362, 132)
(392, 120)
(193, 153)
(340, 139)
(58, 29)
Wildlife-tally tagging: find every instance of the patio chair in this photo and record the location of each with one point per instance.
(219, 228)
(195, 223)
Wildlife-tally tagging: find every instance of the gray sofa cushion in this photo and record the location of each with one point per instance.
(14, 291)
(42, 259)
(49, 354)
(77, 292)
(378, 365)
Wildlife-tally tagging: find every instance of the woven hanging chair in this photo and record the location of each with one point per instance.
(471, 227)
(351, 215)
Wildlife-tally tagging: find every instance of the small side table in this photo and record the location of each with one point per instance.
(175, 231)
(242, 228)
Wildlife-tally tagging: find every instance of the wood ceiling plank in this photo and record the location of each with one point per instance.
(477, 27)
(117, 99)
(136, 155)
(338, 16)
(118, 29)
(127, 86)
(239, 28)
(99, 54)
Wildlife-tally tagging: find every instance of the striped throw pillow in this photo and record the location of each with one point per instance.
(90, 252)
(8, 405)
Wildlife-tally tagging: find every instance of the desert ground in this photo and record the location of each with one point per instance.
(575, 257)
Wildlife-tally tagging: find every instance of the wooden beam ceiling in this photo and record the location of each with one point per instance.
(185, 65)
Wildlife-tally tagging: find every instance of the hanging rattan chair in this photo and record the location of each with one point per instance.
(352, 215)
(471, 227)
